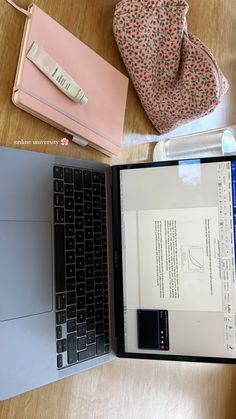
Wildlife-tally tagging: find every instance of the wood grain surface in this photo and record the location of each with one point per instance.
(128, 389)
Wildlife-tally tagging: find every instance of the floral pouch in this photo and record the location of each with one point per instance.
(176, 76)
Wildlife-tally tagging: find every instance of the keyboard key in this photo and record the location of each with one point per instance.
(89, 258)
(98, 264)
(97, 214)
(88, 233)
(79, 236)
(90, 298)
(59, 361)
(58, 186)
(80, 262)
(59, 332)
(87, 195)
(81, 316)
(96, 177)
(60, 301)
(106, 310)
(100, 345)
(90, 324)
(80, 303)
(70, 256)
(98, 302)
(59, 215)
(91, 337)
(69, 216)
(79, 248)
(87, 177)
(71, 348)
(70, 284)
(89, 271)
(80, 289)
(80, 275)
(70, 243)
(59, 257)
(79, 210)
(58, 172)
(104, 217)
(96, 189)
(89, 284)
(81, 343)
(88, 245)
(107, 348)
(69, 190)
(107, 337)
(99, 315)
(98, 276)
(103, 178)
(99, 328)
(70, 270)
(107, 324)
(103, 191)
(96, 202)
(88, 207)
(88, 220)
(81, 329)
(78, 179)
(79, 223)
(71, 326)
(64, 345)
(68, 175)
(71, 298)
(105, 295)
(98, 289)
(60, 317)
(58, 199)
(61, 346)
(79, 199)
(90, 352)
(71, 311)
(70, 231)
(97, 227)
(69, 203)
(103, 204)
(97, 239)
(98, 251)
(90, 311)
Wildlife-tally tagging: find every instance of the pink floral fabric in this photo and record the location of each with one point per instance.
(175, 74)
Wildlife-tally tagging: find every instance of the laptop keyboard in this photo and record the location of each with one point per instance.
(82, 307)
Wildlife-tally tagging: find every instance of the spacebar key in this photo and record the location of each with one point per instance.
(59, 233)
(71, 348)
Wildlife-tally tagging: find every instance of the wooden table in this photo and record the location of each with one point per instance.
(124, 388)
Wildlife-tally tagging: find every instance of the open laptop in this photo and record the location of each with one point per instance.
(162, 233)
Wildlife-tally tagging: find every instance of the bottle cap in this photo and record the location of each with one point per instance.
(83, 100)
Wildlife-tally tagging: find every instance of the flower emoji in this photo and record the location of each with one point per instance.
(64, 141)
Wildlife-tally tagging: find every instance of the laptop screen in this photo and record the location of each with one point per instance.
(178, 258)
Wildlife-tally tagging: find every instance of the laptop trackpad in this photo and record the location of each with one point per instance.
(25, 268)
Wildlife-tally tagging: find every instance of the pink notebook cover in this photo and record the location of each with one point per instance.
(101, 120)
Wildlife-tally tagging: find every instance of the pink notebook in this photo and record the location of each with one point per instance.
(99, 122)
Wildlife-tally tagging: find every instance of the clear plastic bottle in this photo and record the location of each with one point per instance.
(217, 142)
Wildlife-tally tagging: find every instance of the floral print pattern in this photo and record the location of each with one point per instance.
(175, 74)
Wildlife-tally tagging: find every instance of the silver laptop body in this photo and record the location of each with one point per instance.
(27, 296)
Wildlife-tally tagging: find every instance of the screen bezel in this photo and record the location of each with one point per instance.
(117, 262)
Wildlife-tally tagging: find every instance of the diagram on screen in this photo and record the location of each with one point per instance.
(192, 259)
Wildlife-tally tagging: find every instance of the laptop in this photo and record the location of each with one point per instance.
(96, 262)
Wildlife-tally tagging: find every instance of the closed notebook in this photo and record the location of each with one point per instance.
(101, 120)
